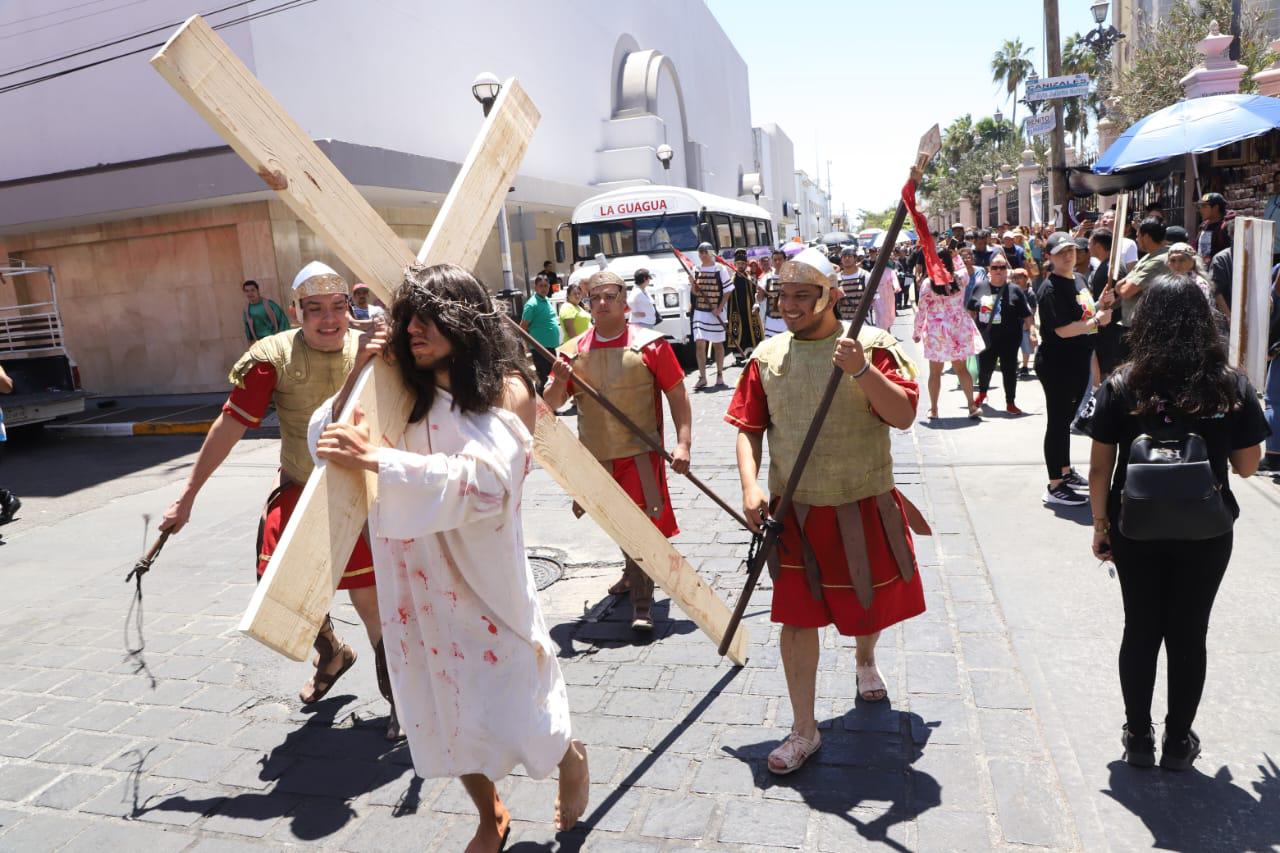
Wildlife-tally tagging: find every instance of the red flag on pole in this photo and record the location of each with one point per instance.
(938, 271)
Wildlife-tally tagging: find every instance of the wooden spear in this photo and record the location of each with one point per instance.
(930, 144)
(653, 443)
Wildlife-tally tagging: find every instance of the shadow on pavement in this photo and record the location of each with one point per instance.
(42, 464)
(316, 773)
(1193, 811)
(958, 422)
(1082, 514)
(611, 627)
(864, 762)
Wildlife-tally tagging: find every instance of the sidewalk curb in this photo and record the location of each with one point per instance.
(131, 429)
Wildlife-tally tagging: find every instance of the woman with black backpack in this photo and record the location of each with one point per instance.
(1167, 423)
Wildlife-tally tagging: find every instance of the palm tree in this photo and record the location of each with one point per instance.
(1011, 67)
(958, 139)
(1079, 58)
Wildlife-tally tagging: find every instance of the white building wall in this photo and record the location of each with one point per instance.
(813, 207)
(385, 73)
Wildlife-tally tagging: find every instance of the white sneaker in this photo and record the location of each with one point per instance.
(1064, 496)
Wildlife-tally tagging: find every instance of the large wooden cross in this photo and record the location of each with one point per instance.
(296, 592)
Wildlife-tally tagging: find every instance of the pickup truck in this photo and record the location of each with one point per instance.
(46, 382)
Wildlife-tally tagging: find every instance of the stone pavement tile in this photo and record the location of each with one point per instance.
(872, 717)
(255, 771)
(143, 757)
(380, 829)
(214, 648)
(39, 680)
(128, 797)
(53, 656)
(128, 836)
(166, 693)
(26, 741)
(585, 699)
(734, 709)
(85, 748)
(767, 682)
(613, 809)
(823, 711)
(58, 712)
(724, 776)
(198, 762)
(678, 816)
(702, 680)
(312, 822)
(666, 772)
(689, 654)
(957, 566)
(862, 749)
(932, 673)
(999, 689)
(41, 832)
(1029, 805)
(355, 743)
(156, 722)
(590, 674)
(402, 791)
(693, 738)
(605, 842)
(974, 589)
(83, 685)
(181, 805)
(774, 824)
(72, 790)
(949, 831)
(19, 781)
(254, 815)
(928, 637)
(862, 829)
(9, 817)
(221, 699)
(615, 731)
(637, 675)
(104, 716)
(839, 788)
(225, 845)
(955, 770)
(263, 735)
(609, 653)
(982, 652)
(15, 706)
(454, 799)
(978, 619)
(209, 728)
(1011, 733)
(330, 778)
(939, 719)
(177, 666)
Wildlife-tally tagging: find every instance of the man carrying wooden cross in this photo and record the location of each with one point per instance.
(629, 365)
(845, 556)
(472, 664)
(296, 370)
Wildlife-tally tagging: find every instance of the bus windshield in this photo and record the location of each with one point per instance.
(638, 235)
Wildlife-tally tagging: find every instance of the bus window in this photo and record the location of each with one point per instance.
(611, 238)
(739, 233)
(766, 230)
(660, 233)
(756, 235)
(724, 235)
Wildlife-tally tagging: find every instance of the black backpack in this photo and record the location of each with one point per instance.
(1170, 492)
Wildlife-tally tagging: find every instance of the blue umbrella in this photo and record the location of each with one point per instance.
(1190, 127)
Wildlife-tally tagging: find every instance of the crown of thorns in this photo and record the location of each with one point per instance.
(459, 316)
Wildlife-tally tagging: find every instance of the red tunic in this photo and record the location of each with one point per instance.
(661, 360)
(248, 405)
(793, 604)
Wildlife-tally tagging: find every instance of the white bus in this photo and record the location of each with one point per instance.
(636, 227)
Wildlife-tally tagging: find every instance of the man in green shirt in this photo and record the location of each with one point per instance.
(262, 317)
(539, 320)
(1151, 234)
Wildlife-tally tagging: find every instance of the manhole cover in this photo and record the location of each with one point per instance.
(546, 571)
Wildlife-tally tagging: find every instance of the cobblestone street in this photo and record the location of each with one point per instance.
(199, 742)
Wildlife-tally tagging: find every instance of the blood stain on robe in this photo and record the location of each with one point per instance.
(456, 652)
(404, 614)
(493, 629)
(490, 657)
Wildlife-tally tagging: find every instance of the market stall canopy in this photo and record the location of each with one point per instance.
(837, 238)
(1194, 126)
(1082, 181)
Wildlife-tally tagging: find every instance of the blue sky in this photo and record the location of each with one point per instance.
(857, 82)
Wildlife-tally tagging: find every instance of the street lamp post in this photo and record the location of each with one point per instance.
(756, 189)
(664, 155)
(1101, 39)
(485, 89)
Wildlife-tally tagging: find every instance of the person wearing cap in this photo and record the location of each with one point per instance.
(634, 367)
(262, 317)
(767, 297)
(295, 371)
(1084, 261)
(745, 329)
(1183, 260)
(711, 285)
(845, 556)
(1214, 233)
(982, 250)
(366, 313)
(1069, 319)
(1152, 245)
(958, 236)
(1017, 257)
(640, 304)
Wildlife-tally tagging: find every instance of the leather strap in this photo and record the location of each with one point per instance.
(896, 534)
(854, 539)
(648, 485)
(915, 518)
(812, 573)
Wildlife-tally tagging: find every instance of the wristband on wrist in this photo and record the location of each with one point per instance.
(866, 365)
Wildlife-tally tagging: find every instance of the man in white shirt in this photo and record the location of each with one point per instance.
(643, 312)
(1128, 248)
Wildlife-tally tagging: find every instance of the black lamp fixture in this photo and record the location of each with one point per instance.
(999, 119)
(664, 155)
(1101, 39)
(485, 89)
(756, 189)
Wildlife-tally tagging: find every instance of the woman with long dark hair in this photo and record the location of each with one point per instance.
(1176, 382)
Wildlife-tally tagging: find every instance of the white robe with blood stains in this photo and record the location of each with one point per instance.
(473, 670)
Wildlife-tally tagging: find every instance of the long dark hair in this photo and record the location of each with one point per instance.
(1177, 357)
(485, 353)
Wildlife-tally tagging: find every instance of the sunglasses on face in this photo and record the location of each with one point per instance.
(1001, 267)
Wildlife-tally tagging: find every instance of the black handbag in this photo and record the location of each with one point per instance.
(1170, 492)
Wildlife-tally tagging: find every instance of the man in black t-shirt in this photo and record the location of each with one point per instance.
(1002, 313)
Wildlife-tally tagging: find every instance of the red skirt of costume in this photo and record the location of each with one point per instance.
(625, 473)
(359, 571)
(895, 599)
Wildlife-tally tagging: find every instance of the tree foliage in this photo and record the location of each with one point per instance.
(876, 218)
(1010, 67)
(1166, 52)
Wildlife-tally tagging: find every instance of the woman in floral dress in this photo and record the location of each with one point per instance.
(947, 332)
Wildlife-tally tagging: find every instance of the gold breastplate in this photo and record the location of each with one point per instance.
(620, 374)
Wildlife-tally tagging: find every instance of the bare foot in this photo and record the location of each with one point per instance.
(395, 731)
(575, 787)
(492, 837)
(324, 679)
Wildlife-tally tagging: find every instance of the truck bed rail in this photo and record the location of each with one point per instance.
(30, 330)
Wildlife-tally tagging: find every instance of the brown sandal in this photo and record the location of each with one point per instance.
(328, 647)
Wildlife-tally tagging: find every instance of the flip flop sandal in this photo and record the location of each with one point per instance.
(700, 384)
(322, 682)
(875, 683)
(793, 753)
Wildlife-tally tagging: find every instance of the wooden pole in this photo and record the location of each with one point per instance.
(774, 530)
(654, 444)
